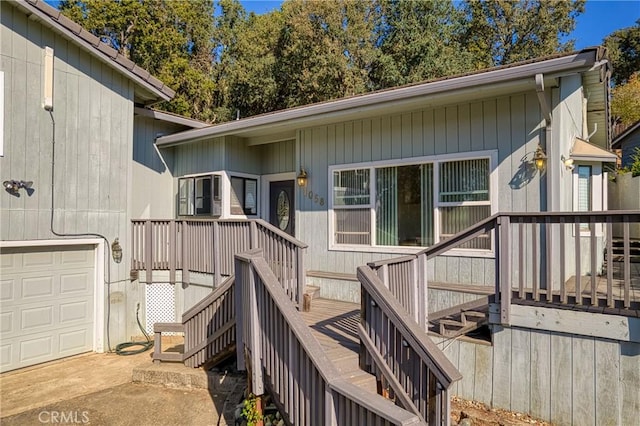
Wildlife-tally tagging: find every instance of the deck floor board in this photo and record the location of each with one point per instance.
(335, 325)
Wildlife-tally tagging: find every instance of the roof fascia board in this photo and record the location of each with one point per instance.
(88, 47)
(554, 67)
(170, 118)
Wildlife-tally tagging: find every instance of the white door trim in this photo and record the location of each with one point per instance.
(99, 271)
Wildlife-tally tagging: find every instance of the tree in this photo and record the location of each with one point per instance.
(501, 32)
(625, 102)
(419, 40)
(171, 39)
(323, 51)
(624, 52)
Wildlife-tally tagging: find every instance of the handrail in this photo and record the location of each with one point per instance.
(421, 385)
(537, 256)
(208, 246)
(275, 339)
(424, 347)
(209, 326)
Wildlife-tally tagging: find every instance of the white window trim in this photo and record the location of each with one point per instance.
(492, 155)
(226, 201)
(598, 192)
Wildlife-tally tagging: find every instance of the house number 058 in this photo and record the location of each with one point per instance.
(315, 198)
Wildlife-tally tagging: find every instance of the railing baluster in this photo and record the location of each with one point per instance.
(594, 257)
(627, 263)
(578, 284)
(534, 259)
(521, 259)
(609, 237)
(563, 287)
(548, 294)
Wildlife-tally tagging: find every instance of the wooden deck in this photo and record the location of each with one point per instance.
(334, 324)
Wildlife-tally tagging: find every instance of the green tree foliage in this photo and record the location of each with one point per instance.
(223, 61)
(323, 50)
(625, 102)
(171, 39)
(501, 32)
(624, 51)
(418, 40)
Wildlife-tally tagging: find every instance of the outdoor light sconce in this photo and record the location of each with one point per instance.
(539, 158)
(302, 178)
(116, 251)
(12, 186)
(568, 162)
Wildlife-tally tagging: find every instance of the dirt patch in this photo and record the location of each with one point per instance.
(464, 412)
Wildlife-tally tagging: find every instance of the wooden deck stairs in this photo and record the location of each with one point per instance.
(460, 319)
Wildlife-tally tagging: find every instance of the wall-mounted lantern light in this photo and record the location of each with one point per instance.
(116, 251)
(302, 178)
(12, 186)
(539, 158)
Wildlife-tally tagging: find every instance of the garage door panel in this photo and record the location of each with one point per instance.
(76, 258)
(75, 341)
(38, 348)
(75, 311)
(38, 260)
(6, 290)
(36, 318)
(6, 323)
(75, 283)
(40, 286)
(6, 358)
(46, 304)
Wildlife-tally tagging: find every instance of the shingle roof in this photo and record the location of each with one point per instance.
(56, 20)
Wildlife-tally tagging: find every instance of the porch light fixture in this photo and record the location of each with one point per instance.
(302, 178)
(12, 186)
(116, 251)
(539, 158)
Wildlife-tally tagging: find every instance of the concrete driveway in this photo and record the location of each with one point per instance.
(97, 389)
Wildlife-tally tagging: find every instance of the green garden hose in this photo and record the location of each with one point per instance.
(144, 346)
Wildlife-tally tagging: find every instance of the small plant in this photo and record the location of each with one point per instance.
(635, 166)
(250, 410)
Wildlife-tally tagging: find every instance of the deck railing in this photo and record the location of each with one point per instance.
(208, 246)
(559, 258)
(280, 353)
(210, 326)
(400, 354)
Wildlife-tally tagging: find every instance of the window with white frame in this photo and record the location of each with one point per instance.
(244, 196)
(199, 196)
(411, 204)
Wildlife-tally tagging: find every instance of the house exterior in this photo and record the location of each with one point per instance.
(628, 141)
(393, 171)
(76, 126)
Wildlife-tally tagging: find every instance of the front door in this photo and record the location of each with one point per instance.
(281, 207)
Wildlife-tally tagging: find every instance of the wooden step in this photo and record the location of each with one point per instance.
(473, 317)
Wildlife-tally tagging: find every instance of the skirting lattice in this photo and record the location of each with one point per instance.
(161, 305)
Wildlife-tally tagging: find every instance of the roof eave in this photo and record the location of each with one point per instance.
(551, 68)
(101, 54)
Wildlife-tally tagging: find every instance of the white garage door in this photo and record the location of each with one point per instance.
(46, 304)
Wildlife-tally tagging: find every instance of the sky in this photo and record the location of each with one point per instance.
(601, 18)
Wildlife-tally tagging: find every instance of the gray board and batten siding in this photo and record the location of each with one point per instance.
(512, 125)
(558, 377)
(93, 112)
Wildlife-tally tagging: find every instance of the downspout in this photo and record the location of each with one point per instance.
(546, 112)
